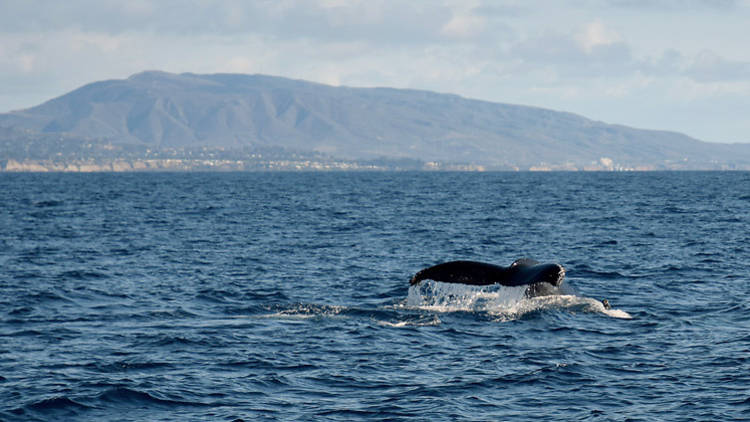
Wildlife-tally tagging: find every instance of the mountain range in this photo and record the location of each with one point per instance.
(164, 111)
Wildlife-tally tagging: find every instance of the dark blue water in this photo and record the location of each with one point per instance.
(285, 296)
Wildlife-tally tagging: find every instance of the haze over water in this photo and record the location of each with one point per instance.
(285, 296)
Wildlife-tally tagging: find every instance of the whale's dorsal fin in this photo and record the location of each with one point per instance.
(524, 262)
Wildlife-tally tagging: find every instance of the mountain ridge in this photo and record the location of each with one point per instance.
(163, 110)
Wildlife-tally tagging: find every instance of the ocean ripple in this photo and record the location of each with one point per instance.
(285, 296)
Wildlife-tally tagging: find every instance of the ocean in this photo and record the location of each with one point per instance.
(285, 296)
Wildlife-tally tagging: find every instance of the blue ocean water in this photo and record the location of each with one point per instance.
(285, 296)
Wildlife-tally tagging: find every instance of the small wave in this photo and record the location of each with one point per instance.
(55, 404)
(229, 296)
(165, 340)
(124, 395)
(124, 366)
(53, 408)
(47, 296)
(586, 272)
(82, 275)
(23, 310)
(165, 314)
(23, 333)
(47, 203)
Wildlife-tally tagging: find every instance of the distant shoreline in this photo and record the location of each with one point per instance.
(155, 121)
(219, 166)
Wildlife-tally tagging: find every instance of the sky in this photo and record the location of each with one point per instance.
(680, 65)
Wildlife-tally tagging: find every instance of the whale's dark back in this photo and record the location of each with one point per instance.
(463, 272)
(522, 272)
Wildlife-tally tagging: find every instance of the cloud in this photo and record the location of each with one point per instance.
(707, 66)
(463, 26)
(596, 34)
(26, 62)
(679, 6)
(591, 51)
(376, 20)
(674, 5)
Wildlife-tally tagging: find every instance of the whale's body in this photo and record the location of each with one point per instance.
(542, 279)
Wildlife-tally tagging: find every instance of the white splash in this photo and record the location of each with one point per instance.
(445, 297)
(306, 311)
(505, 303)
(419, 323)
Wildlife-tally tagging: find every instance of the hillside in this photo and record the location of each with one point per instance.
(164, 111)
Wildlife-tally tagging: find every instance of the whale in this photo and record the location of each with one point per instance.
(541, 279)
